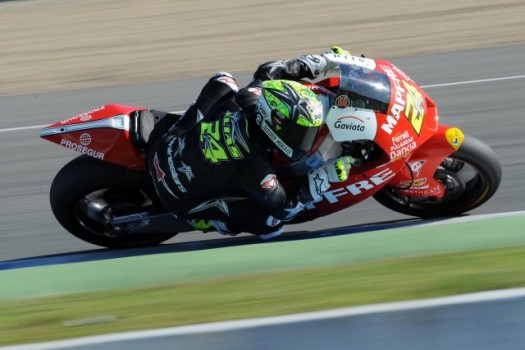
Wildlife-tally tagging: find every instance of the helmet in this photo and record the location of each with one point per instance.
(290, 115)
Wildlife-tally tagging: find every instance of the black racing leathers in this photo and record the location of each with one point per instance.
(219, 169)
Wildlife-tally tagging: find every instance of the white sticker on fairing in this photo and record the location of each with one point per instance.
(353, 60)
(349, 124)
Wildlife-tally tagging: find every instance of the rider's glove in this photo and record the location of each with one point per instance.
(331, 55)
(338, 51)
(336, 170)
(315, 64)
(322, 64)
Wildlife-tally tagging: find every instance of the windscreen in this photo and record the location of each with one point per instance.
(365, 88)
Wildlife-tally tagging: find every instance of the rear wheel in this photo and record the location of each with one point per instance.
(87, 192)
(471, 176)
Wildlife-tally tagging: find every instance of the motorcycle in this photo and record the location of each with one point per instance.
(374, 112)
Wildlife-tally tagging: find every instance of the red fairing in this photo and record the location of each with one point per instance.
(412, 115)
(102, 133)
(409, 134)
(417, 178)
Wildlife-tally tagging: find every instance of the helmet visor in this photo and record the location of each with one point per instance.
(299, 138)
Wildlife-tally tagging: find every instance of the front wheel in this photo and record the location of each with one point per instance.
(87, 186)
(471, 176)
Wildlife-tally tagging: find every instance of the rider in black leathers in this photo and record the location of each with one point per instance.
(213, 167)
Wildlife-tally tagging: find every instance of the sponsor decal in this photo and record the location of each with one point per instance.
(270, 181)
(173, 170)
(415, 108)
(233, 135)
(316, 113)
(354, 60)
(222, 140)
(399, 101)
(200, 115)
(211, 147)
(82, 117)
(161, 174)
(318, 182)
(349, 123)
(180, 147)
(158, 171)
(420, 183)
(262, 111)
(342, 101)
(82, 149)
(416, 166)
(214, 203)
(292, 212)
(402, 144)
(454, 137)
(276, 140)
(425, 191)
(407, 99)
(359, 187)
(85, 139)
(186, 170)
(272, 222)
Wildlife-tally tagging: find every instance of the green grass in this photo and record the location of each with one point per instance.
(260, 295)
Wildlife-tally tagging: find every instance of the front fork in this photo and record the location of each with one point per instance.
(424, 175)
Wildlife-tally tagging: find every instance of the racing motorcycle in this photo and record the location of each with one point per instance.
(374, 112)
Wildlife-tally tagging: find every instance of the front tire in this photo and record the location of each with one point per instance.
(117, 190)
(473, 173)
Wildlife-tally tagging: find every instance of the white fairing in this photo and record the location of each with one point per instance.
(351, 124)
(352, 60)
(120, 121)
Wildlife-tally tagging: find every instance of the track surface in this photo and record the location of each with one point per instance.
(490, 110)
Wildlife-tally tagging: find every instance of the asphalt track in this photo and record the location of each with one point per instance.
(480, 91)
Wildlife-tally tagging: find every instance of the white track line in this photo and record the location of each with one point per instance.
(473, 81)
(430, 86)
(23, 128)
(278, 320)
(478, 217)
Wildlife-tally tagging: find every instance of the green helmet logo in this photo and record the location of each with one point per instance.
(290, 115)
(294, 101)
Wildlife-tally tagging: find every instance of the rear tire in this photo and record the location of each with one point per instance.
(122, 191)
(476, 167)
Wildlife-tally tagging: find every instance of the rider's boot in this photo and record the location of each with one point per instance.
(222, 228)
(212, 225)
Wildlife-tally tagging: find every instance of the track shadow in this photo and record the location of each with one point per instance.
(107, 254)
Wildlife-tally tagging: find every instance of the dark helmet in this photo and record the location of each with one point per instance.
(290, 115)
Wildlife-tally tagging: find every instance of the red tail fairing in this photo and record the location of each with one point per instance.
(102, 133)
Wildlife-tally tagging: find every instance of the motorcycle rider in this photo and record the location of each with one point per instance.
(213, 167)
